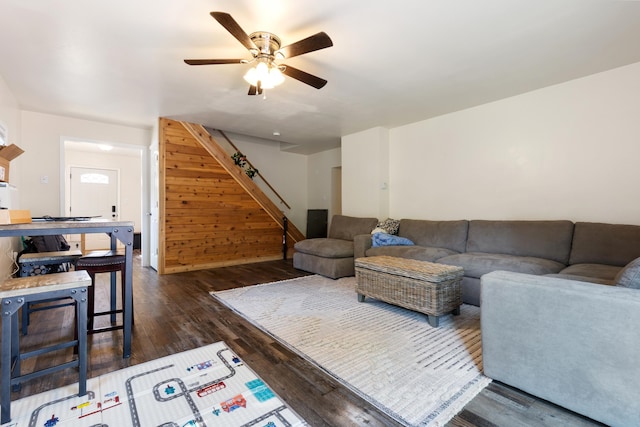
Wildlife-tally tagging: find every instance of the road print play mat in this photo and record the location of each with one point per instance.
(208, 386)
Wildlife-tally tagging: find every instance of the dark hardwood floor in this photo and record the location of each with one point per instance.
(174, 313)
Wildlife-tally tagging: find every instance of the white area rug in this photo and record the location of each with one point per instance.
(207, 386)
(421, 376)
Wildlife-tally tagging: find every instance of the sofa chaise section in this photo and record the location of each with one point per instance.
(570, 342)
(333, 256)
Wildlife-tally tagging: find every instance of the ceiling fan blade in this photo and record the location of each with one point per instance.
(234, 28)
(304, 77)
(212, 61)
(310, 44)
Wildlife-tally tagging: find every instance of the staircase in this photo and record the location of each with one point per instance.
(211, 213)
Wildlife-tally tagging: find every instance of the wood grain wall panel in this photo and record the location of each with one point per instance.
(207, 218)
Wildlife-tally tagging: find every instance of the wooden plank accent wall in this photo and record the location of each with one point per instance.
(207, 218)
(213, 148)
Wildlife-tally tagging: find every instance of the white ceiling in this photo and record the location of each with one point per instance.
(392, 63)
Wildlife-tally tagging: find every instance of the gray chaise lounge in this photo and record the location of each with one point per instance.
(333, 256)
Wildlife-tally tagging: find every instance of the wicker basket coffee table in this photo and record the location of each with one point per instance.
(426, 287)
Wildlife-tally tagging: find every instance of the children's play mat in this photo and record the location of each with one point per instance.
(208, 386)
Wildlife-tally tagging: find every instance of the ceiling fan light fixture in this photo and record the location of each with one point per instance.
(269, 75)
(275, 75)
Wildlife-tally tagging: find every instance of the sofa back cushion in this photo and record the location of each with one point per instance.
(346, 227)
(540, 239)
(612, 244)
(435, 234)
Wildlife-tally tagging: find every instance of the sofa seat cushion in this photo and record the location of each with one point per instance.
(411, 252)
(326, 247)
(333, 268)
(476, 264)
(596, 271)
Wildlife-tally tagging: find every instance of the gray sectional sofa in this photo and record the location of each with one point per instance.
(592, 252)
(549, 326)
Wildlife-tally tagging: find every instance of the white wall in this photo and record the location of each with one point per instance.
(303, 181)
(365, 173)
(285, 172)
(10, 119)
(568, 151)
(41, 136)
(319, 171)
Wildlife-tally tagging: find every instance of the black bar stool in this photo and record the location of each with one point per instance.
(104, 262)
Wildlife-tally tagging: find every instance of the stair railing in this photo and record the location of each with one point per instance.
(204, 136)
(224, 135)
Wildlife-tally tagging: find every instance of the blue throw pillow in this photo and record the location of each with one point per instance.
(384, 239)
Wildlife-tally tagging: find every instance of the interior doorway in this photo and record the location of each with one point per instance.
(93, 192)
(126, 162)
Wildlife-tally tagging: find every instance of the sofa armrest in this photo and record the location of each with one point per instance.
(361, 243)
(572, 343)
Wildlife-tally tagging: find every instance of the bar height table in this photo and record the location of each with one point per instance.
(119, 231)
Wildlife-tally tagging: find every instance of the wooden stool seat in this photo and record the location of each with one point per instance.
(14, 294)
(103, 262)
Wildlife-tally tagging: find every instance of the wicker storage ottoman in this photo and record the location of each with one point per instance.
(426, 287)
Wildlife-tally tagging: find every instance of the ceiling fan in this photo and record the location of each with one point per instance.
(265, 48)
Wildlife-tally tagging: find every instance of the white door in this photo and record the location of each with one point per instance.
(94, 192)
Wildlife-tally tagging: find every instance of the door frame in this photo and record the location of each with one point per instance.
(144, 190)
